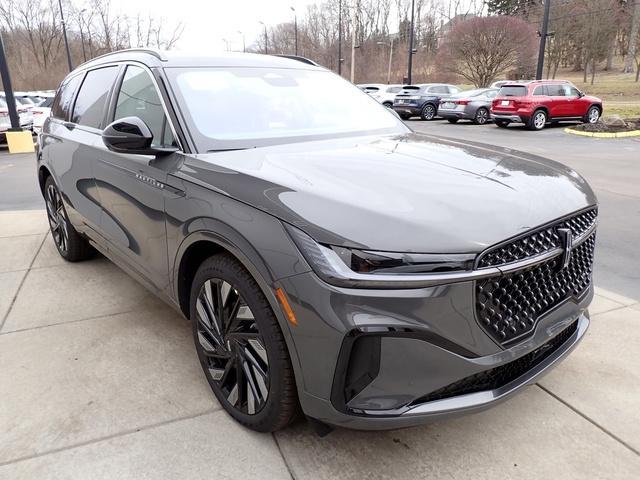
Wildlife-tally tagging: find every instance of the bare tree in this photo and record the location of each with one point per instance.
(483, 48)
(633, 38)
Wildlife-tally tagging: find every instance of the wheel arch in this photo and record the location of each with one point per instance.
(43, 174)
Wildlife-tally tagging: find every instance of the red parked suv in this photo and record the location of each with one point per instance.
(537, 102)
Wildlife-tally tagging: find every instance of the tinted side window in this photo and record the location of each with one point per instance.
(61, 107)
(441, 89)
(555, 90)
(540, 90)
(138, 97)
(92, 98)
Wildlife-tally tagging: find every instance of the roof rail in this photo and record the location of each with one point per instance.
(298, 58)
(150, 51)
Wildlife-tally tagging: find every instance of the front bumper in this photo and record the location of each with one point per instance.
(428, 340)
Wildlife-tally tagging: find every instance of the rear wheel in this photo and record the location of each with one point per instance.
(502, 123)
(538, 120)
(452, 120)
(70, 244)
(240, 346)
(428, 112)
(593, 115)
(481, 117)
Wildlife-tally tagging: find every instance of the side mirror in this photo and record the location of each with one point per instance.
(132, 135)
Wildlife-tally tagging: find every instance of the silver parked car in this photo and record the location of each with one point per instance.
(474, 105)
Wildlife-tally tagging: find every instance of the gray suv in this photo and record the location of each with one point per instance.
(330, 260)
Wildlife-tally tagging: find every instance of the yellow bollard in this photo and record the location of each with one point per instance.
(20, 142)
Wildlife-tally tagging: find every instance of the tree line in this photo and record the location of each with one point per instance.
(472, 41)
(34, 44)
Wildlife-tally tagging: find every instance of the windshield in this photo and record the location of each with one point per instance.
(513, 91)
(230, 108)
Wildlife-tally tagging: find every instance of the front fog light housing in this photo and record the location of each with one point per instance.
(351, 267)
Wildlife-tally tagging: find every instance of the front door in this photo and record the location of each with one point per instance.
(132, 186)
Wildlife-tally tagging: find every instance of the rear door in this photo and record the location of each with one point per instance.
(132, 186)
(70, 141)
(558, 101)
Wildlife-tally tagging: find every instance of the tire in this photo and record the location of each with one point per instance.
(245, 338)
(502, 123)
(538, 120)
(593, 115)
(482, 116)
(70, 244)
(428, 112)
(452, 120)
(388, 104)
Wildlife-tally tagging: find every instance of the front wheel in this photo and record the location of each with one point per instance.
(428, 112)
(538, 120)
(593, 115)
(240, 346)
(481, 117)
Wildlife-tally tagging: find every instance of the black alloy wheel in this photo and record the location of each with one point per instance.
(481, 117)
(57, 218)
(70, 244)
(428, 112)
(240, 346)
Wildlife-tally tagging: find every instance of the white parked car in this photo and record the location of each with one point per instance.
(24, 112)
(40, 113)
(383, 93)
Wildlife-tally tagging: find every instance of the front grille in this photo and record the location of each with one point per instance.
(537, 241)
(500, 376)
(508, 306)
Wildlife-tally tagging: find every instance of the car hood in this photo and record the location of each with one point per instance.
(408, 192)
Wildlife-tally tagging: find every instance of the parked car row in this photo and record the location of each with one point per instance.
(534, 103)
(32, 107)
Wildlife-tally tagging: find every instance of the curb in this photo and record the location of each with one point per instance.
(631, 133)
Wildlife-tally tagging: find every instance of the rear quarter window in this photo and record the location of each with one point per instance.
(513, 91)
(61, 107)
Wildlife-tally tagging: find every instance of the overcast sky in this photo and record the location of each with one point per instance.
(208, 22)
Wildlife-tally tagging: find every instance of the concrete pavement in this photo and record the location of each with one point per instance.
(99, 379)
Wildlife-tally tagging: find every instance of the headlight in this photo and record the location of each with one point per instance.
(348, 267)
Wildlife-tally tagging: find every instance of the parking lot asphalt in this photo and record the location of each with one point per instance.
(99, 379)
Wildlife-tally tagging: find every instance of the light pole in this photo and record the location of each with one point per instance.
(543, 39)
(64, 34)
(81, 21)
(295, 28)
(390, 58)
(8, 89)
(244, 45)
(266, 38)
(410, 66)
(339, 37)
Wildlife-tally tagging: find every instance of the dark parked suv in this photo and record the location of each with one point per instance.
(422, 100)
(328, 258)
(539, 102)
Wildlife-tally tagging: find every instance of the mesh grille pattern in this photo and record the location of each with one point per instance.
(537, 242)
(500, 376)
(508, 306)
